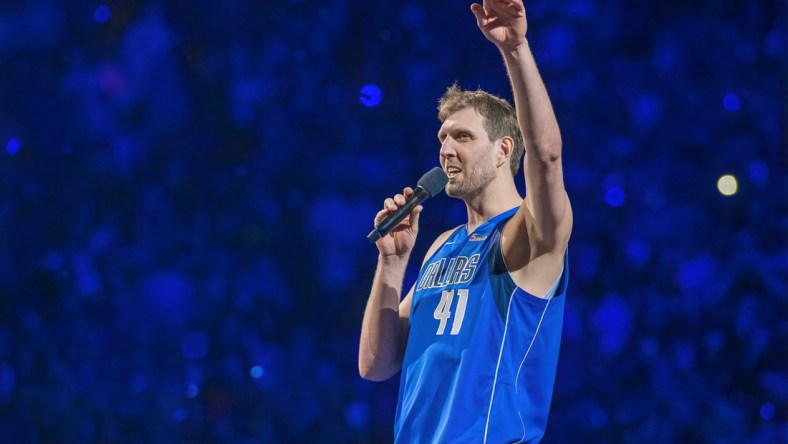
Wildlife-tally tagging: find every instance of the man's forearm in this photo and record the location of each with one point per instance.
(534, 111)
(379, 349)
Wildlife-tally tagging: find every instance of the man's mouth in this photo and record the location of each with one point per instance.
(452, 171)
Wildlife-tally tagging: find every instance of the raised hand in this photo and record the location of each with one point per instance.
(401, 239)
(502, 22)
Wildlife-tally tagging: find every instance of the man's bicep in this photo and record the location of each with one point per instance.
(547, 203)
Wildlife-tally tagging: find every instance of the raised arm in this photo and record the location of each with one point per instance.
(545, 214)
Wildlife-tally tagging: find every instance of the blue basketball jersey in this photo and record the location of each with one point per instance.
(481, 355)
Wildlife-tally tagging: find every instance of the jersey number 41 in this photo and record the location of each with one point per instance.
(443, 310)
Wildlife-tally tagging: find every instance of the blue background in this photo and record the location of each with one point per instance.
(186, 187)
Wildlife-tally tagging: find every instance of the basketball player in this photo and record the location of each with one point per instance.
(477, 336)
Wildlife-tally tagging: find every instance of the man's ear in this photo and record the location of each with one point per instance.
(505, 150)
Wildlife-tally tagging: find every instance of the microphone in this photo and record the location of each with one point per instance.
(430, 184)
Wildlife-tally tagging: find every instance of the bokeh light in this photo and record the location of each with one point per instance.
(727, 185)
(192, 391)
(101, 14)
(13, 146)
(370, 95)
(256, 372)
(615, 196)
(767, 411)
(731, 102)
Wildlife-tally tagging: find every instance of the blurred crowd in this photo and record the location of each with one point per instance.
(186, 187)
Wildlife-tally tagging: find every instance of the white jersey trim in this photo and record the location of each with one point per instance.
(548, 297)
(498, 365)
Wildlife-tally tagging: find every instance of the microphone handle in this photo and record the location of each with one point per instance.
(393, 219)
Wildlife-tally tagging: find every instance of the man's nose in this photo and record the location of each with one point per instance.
(447, 148)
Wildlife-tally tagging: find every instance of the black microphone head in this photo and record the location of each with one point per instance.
(433, 181)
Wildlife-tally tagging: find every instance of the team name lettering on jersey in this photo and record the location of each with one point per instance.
(457, 270)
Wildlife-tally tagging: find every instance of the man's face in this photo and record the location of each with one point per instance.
(467, 155)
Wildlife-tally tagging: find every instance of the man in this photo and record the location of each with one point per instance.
(477, 336)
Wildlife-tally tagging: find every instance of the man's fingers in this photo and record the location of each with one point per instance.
(381, 214)
(478, 11)
(392, 203)
(414, 216)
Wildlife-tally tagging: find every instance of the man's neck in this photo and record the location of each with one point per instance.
(492, 201)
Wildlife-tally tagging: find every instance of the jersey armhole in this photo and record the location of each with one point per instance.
(505, 286)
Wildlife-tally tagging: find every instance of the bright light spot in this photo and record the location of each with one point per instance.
(256, 372)
(101, 14)
(192, 391)
(13, 146)
(727, 185)
(731, 102)
(615, 196)
(370, 95)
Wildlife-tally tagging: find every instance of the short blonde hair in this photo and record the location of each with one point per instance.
(500, 118)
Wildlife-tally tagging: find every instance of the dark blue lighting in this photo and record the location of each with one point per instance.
(101, 14)
(194, 346)
(192, 391)
(767, 411)
(638, 252)
(615, 196)
(7, 381)
(413, 16)
(256, 372)
(731, 102)
(612, 320)
(139, 384)
(649, 347)
(758, 171)
(683, 356)
(357, 414)
(180, 415)
(596, 416)
(646, 110)
(559, 41)
(13, 146)
(370, 95)
(694, 273)
(714, 341)
(53, 261)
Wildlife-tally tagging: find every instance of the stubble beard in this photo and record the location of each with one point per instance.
(474, 180)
